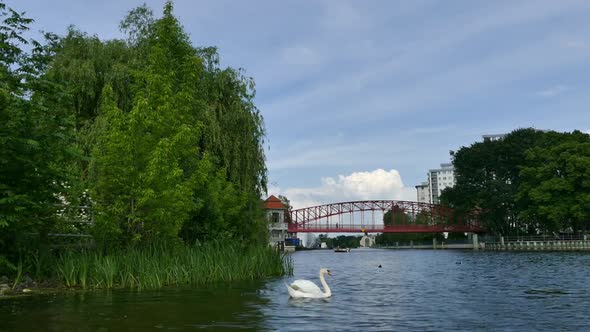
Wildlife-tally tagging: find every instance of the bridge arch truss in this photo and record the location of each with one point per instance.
(367, 216)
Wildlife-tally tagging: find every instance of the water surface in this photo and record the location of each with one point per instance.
(414, 290)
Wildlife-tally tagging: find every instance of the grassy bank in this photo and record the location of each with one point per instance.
(160, 266)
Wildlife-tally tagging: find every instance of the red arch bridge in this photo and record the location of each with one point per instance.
(382, 216)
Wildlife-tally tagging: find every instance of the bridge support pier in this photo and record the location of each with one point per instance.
(434, 243)
(474, 240)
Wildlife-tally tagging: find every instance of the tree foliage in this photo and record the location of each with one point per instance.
(555, 189)
(189, 149)
(161, 140)
(508, 182)
(396, 216)
(35, 139)
(341, 241)
(393, 239)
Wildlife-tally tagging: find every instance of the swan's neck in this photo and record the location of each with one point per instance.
(327, 291)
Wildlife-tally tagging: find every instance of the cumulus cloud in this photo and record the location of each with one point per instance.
(377, 184)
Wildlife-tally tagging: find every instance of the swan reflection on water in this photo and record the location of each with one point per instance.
(303, 302)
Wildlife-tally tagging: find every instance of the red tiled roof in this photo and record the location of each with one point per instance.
(274, 203)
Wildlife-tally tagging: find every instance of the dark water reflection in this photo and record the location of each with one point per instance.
(413, 291)
(215, 308)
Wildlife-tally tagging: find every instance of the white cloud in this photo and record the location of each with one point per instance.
(377, 184)
(552, 91)
(391, 60)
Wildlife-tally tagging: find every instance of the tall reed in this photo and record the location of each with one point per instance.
(161, 265)
(19, 274)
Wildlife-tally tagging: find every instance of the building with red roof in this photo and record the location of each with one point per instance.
(274, 203)
(277, 215)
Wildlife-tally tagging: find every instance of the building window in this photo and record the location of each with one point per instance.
(275, 217)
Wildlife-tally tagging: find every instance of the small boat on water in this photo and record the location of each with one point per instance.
(341, 249)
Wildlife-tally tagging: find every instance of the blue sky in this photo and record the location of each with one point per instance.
(361, 98)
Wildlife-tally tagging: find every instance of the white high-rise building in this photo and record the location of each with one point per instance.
(443, 177)
(423, 192)
(494, 137)
(439, 179)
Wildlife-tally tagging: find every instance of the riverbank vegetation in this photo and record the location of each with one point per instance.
(528, 182)
(160, 265)
(397, 215)
(128, 143)
(340, 241)
(394, 239)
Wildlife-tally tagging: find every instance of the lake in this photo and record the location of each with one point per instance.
(414, 290)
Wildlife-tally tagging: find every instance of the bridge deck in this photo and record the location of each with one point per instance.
(394, 229)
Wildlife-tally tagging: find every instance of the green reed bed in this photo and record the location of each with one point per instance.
(159, 266)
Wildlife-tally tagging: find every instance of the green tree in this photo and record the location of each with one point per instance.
(35, 141)
(346, 241)
(146, 163)
(423, 217)
(169, 142)
(499, 180)
(83, 65)
(391, 239)
(179, 161)
(487, 179)
(396, 216)
(286, 202)
(556, 185)
(323, 238)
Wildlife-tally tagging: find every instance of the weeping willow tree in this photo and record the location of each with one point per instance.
(187, 158)
(171, 141)
(163, 141)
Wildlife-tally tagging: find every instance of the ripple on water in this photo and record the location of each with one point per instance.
(413, 291)
(426, 290)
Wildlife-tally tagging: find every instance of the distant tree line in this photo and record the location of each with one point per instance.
(528, 182)
(397, 216)
(341, 241)
(152, 133)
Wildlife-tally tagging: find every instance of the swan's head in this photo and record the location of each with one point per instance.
(325, 271)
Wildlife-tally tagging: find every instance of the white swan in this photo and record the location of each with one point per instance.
(306, 288)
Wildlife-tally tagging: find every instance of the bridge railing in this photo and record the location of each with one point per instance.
(385, 229)
(545, 237)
